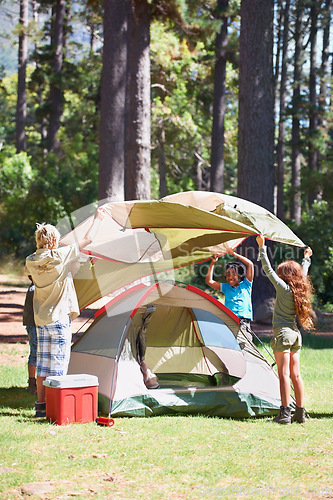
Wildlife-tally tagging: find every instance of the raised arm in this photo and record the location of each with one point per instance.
(307, 252)
(99, 215)
(266, 265)
(306, 263)
(270, 273)
(209, 276)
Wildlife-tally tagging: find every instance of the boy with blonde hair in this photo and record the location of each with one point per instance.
(55, 302)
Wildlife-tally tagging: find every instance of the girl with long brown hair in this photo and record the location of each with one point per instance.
(293, 299)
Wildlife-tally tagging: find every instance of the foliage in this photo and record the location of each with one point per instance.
(182, 97)
(37, 186)
(8, 43)
(179, 80)
(8, 89)
(16, 178)
(316, 230)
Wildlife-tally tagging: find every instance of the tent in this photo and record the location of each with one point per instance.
(204, 360)
(145, 238)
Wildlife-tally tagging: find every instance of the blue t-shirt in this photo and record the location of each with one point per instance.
(238, 299)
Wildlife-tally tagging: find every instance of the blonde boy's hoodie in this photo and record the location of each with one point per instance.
(55, 296)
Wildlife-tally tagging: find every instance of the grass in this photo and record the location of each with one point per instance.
(13, 271)
(177, 457)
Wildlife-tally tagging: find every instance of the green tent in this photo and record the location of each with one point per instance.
(204, 361)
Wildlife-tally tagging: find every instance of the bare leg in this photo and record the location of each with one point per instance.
(295, 374)
(283, 365)
(41, 389)
(31, 371)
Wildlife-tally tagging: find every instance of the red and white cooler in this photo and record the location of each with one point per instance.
(71, 398)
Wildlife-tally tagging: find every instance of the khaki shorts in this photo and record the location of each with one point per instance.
(286, 339)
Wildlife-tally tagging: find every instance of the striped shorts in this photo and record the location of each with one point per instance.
(53, 348)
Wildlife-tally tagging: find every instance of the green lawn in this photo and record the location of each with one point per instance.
(169, 457)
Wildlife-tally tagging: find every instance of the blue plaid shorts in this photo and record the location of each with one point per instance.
(54, 348)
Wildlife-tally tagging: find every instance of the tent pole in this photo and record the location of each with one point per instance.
(84, 324)
(126, 327)
(263, 345)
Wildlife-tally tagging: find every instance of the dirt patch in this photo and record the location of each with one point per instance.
(11, 310)
(14, 354)
(12, 299)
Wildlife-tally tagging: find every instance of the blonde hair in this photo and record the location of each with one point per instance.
(292, 273)
(47, 236)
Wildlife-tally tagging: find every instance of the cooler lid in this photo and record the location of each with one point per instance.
(76, 380)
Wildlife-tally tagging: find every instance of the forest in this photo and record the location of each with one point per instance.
(138, 99)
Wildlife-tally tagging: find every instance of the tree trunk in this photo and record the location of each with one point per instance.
(113, 96)
(21, 110)
(256, 122)
(324, 77)
(217, 153)
(313, 149)
(324, 73)
(198, 169)
(137, 150)
(56, 92)
(296, 202)
(67, 28)
(280, 150)
(278, 46)
(43, 120)
(256, 104)
(162, 167)
(93, 35)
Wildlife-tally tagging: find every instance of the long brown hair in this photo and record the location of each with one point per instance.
(292, 273)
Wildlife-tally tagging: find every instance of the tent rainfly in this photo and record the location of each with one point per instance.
(204, 361)
(137, 239)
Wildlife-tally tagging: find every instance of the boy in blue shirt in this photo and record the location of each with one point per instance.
(238, 289)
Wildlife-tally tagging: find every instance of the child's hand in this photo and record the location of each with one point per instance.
(100, 213)
(307, 252)
(260, 240)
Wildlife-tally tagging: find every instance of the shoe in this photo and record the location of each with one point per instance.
(284, 417)
(40, 414)
(40, 410)
(299, 415)
(32, 387)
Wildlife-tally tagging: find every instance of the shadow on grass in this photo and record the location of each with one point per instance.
(16, 398)
(320, 415)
